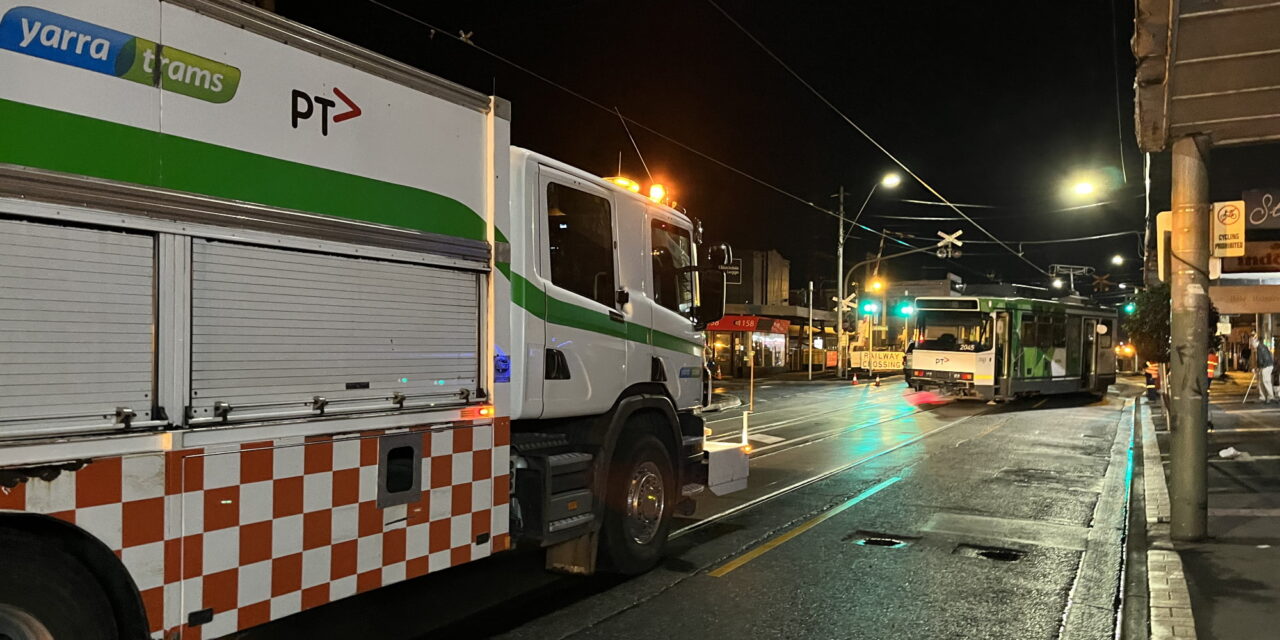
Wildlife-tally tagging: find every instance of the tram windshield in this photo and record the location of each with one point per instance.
(938, 330)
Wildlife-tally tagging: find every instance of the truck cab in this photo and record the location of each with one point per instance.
(601, 349)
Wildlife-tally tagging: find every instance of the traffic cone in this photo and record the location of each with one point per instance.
(877, 381)
(855, 380)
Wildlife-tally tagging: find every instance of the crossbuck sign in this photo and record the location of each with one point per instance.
(947, 241)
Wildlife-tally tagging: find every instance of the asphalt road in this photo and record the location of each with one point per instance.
(868, 515)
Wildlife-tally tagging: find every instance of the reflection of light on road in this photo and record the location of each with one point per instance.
(922, 398)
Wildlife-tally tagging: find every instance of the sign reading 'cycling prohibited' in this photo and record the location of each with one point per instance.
(1228, 229)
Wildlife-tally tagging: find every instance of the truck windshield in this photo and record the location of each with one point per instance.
(953, 331)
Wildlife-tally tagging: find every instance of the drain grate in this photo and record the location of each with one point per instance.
(870, 539)
(997, 554)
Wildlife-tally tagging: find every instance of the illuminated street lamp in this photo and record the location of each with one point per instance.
(1057, 283)
(891, 180)
(1117, 259)
(1124, 286)
(1083, 188)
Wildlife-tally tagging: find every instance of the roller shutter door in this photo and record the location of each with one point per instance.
(272, 329)
(76, 321)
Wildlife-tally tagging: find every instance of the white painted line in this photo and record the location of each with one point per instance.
(1246, 512)
(765, 438)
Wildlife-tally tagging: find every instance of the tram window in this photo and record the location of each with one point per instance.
(1059, 332)
(1028, 334)
(938, 330)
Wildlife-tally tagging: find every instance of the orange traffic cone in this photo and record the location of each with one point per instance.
(877, 381)
(855, 379)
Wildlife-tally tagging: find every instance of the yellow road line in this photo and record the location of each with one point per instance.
(725, 568)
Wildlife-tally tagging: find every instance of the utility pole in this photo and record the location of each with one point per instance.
(809, 350)
(1188, 383)
(839, 291)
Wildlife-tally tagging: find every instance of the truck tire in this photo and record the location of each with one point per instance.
(642, 497)
(45, 594)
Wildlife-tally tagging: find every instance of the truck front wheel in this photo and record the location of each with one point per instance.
(47, 595)
(642, 495)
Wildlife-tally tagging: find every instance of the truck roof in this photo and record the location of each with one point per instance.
(587, 176)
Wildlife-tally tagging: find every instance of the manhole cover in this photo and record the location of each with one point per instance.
(881, 542)
(996, 554)
(869, 539)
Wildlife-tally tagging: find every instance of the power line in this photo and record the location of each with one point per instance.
(1057, 241)
(615, 112)
(868, 137)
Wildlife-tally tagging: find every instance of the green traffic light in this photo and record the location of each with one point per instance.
(870, 307)
(1130, 307)
(906, 310)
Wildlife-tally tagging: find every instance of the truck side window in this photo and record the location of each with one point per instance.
(672, 286)
(580, 231)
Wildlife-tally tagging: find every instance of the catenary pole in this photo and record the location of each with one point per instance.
(840, 290)
(1189, 336)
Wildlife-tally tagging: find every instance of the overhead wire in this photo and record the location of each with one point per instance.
(469, 41)
(868, 137)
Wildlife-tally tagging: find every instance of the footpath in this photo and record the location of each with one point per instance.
(1226, 587)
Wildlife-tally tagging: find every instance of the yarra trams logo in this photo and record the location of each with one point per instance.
(66, 40)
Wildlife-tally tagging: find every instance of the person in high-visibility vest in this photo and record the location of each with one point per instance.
(1213, 366)
(1152, 373)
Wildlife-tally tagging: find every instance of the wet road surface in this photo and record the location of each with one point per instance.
(872, 512)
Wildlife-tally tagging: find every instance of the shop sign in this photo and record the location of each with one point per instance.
(750, 323)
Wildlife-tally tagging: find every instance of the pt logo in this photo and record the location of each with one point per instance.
(304, 106)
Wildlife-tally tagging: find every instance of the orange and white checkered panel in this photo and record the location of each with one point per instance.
(255, 531)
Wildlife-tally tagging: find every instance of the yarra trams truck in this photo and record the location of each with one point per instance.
(283, 321)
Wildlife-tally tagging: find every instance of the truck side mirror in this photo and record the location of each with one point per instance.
(710, 298)
(719, 255)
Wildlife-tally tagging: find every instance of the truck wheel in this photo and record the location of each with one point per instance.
(641, 499)
(45, 594)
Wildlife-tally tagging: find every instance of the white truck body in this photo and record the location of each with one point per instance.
(270, 304)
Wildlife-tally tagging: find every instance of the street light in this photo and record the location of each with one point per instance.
(1124, 286)
(876, 285)
(1083, 188)
(889, 181)
(1057, 283)
(1117, 259)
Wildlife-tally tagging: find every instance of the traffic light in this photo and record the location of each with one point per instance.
(905, 309)
(870, 307)
(1130, 307)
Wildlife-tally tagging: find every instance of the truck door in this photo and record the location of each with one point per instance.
(586, 356)
(671, 256)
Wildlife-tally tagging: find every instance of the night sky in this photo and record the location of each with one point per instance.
(997, 103)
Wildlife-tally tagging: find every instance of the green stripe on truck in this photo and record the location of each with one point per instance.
(58, 141)
(532, 299)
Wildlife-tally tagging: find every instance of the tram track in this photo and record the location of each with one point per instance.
(800, 484)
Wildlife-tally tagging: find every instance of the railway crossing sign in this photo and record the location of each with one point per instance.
(945, 245)
(1102, 282)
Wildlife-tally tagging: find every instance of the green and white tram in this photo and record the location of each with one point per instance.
(1003, 348)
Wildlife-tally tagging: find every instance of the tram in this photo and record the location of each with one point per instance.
(1005, 348)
